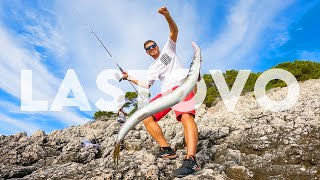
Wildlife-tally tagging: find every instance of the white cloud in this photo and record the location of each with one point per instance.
(18, 125)
(238, 44)
(281, 39)
(9, 107)
(123, 26)
(309, 55)
(39, 28)
(15, 56)
(68, 117)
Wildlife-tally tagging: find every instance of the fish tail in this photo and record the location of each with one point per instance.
(116, 154)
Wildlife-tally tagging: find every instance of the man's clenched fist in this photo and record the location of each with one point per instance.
(164, 11)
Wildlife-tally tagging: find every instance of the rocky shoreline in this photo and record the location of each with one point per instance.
(249, 143)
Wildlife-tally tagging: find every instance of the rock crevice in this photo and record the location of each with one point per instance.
(248, 143)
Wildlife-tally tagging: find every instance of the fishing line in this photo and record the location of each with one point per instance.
(91, 30)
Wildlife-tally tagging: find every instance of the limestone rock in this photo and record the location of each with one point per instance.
(248, 143)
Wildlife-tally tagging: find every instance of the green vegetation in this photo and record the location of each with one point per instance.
(302, 70)
(98, 114)
(132, 100)
(131, 104)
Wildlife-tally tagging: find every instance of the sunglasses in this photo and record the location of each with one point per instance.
(152, 46)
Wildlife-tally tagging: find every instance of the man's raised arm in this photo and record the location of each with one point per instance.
(172, 25)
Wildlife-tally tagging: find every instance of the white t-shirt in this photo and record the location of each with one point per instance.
(167, 68)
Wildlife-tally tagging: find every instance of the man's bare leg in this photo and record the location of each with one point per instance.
(190, 133)
(155, 131)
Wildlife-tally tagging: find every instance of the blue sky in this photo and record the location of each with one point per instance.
(48, 38)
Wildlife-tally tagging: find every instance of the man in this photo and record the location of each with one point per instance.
(121, 116)
(165, 64)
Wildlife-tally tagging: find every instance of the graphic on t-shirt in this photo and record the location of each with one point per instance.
(165, 59)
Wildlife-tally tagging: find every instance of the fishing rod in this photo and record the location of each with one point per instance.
(91, 30)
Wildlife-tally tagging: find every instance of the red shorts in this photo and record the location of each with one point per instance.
(184, 107)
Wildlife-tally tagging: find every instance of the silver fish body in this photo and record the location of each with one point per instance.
(163, 102)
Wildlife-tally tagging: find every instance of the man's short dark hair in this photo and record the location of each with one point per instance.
(145, 43)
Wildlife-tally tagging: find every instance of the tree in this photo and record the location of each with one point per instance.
(302, 70)
(131, 99)
(98, 114)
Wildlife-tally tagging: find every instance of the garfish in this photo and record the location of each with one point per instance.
(164, 102)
